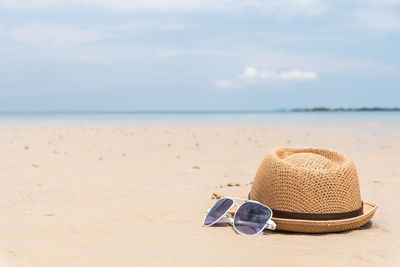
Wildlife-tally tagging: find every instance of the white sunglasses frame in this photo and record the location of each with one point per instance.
(270, 224)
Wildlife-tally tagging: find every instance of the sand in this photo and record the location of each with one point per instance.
(124, 194)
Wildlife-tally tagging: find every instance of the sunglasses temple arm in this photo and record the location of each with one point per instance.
(271, 225)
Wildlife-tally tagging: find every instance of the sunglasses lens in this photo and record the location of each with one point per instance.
(251, 217)
(218, 210)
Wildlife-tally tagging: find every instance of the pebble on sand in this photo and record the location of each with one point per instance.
(196, 167)
(35, 165)
(100, 158)
(26, 147)
(215, 196)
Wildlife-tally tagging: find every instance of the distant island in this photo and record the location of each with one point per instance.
(317, 109)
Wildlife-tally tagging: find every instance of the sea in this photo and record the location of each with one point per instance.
(205, 116)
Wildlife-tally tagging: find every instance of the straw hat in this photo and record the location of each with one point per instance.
(311, 190)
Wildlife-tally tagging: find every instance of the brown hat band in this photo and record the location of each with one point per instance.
(316, 216)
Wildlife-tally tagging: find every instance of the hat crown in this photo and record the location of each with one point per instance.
(311, 161)
(308, 180)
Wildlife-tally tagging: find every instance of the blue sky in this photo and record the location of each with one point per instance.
(198, 55)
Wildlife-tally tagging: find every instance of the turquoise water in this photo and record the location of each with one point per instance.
(206, 116)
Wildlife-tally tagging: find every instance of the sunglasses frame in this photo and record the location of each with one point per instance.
(270, 224)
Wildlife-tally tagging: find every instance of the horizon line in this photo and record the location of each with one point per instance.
(228, 111)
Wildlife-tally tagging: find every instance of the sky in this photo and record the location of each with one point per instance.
(80, 55)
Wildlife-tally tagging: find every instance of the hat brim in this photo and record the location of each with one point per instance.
(309, 226)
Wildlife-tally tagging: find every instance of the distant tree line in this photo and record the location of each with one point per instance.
(344, 109)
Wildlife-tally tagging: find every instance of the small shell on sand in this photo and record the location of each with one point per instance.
(100, 158)
(195, 167)
(26, 147)
(229, 184)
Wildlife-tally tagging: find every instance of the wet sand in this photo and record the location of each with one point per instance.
(123, 194)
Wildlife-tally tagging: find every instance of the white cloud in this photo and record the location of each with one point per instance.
(379, 20)
(226, 84)
(193, 52)
(298, 75)
(320, 63)
(251, 73)
(55, 35)
(252, 76)
(142, 25)
(52, 35)
(381, 16)
(282, 8)
(371, 14)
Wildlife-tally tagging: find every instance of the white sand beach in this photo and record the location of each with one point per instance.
(125, 194)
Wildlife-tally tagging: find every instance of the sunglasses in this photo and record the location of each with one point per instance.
(251, 218)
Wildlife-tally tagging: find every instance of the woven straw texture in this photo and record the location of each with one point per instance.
(309, 180)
